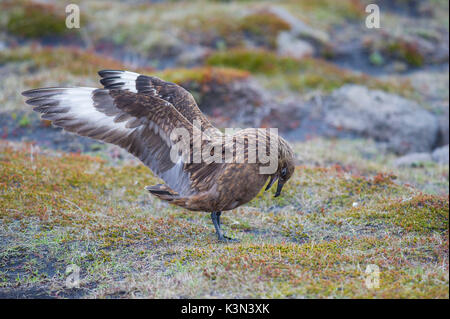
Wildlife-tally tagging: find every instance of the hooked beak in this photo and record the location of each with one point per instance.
(279, 188)
(272, 180)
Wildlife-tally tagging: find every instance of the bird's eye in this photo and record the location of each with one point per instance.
(283, 172)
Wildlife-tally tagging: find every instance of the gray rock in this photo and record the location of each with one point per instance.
(241, 103)
(443, 118)
(413, 160)
(433, 86)
(298, 27)
(245, 103)
(288, 45)
(401, 124)
(440, 155)
(193, 55)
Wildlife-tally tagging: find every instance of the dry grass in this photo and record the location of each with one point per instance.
(59, 209)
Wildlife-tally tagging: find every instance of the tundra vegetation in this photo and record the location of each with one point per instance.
(67, 201)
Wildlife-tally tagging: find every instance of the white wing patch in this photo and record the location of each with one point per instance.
(74, 110)
(122, 80)
(81, 110)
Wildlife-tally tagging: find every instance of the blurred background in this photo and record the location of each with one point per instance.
(310, 68)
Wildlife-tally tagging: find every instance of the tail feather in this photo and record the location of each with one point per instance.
(163, 192)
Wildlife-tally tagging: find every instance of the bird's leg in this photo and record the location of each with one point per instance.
(215, 216)
(218, 220)
(215, 220)
(220, 227)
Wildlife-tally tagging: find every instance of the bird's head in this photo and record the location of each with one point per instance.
(286, 166)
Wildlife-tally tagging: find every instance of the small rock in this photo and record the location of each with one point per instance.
(290, 46)
(440, 155)
(413, 160)
(401, 124)
(284, 115)
(443, 125)
(236, 104)
(298, 27)
(433, 85)
(398, 66)
(193, 55)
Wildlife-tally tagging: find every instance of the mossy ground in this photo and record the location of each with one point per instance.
(303, 75)
(29, 19)
(59, 209)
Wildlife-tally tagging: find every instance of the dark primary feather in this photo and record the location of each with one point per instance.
(180, 98)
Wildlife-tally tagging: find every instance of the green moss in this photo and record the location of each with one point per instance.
(333, 268)
(363, 185)
(405, 51)
(24, 121)
(334, 10)
(422, 213)
(226, 30)
(72, 60)
(34, 20)
(301, 75)
(202, 75)
(376, 58)
(398, 48)
(263, 27)
(255, 61)
(87, 63)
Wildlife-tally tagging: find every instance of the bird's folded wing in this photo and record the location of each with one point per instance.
(139, 123)
(180, 98)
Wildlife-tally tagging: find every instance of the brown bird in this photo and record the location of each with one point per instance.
(140, 113)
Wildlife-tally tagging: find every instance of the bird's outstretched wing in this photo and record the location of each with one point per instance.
(139, 123)
(180, 98)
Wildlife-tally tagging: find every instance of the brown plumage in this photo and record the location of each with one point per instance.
(139, 113)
